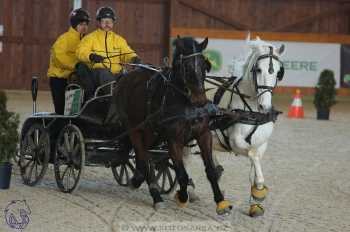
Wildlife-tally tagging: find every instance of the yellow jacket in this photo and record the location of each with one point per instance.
(117, 51)
(63, 58)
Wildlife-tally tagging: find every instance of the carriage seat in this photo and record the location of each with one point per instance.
(96, 109)
(74, 98)
(82, 76)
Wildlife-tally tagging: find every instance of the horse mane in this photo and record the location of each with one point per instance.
(120, 97)
(256, 47)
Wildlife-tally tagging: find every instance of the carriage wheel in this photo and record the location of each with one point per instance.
(123, 171)
(34, 154)
(69, 158)
(165, 176)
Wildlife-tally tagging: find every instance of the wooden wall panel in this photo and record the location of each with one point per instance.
(268, 15)
(30, 28)
(277, 36)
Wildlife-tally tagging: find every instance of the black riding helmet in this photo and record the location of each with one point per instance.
(105, 12)
(78, 16)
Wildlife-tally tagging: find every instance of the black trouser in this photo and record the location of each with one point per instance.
(103, 76)
(90, 79)
(58, 86)
(96, 78)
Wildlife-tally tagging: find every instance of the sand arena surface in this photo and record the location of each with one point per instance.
(305, 167)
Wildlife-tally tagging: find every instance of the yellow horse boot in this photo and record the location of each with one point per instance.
(223, 207)
(259, 194)
(256, 210)
(179, 202)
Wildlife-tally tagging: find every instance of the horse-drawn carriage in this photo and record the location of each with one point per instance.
(85, 136)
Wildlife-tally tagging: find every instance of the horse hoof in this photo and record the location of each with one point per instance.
(179, 203)
(159, 205)
(259, 194)
(131, 186)
(256, 210)
(223, 207)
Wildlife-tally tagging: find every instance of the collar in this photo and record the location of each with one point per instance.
(103, 32)
(74, 32)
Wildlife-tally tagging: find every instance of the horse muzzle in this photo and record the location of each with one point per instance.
(199, 99)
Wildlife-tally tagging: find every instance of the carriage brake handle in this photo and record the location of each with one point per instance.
(34, 89)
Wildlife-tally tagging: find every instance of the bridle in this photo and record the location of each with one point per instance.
(184, 58)
(255, 69)
(183, 72)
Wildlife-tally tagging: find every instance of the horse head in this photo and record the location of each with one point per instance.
(264, 70)
(191, 66)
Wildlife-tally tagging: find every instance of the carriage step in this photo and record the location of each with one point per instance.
(89, 164)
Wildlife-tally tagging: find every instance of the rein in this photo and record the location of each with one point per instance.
(222, 86)
(234, 90)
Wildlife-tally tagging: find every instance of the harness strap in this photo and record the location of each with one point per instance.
(226, 143)
(150, 92)
(221, 86)
(224, 88)
(243, 99)
(248, 139)
(221, 90)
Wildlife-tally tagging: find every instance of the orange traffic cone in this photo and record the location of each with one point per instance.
(296, 110)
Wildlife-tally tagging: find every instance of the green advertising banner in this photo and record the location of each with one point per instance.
(303, 62)
(345, 66)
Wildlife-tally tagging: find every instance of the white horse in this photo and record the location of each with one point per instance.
(261, 71)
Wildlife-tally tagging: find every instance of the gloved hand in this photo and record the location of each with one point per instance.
(96, 58)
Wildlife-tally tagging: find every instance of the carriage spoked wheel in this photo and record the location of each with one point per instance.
(165, 175)
(69, 158)
(124, 170)
(34, 154)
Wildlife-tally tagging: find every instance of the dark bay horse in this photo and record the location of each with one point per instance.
(170, 107)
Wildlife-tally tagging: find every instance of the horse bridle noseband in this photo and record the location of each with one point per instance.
(195, 54)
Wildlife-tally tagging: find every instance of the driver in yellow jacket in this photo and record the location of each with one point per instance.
(63, 58)
(104, 50)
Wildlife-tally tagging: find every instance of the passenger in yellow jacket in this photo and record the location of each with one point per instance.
(104, 51)
(63, 58)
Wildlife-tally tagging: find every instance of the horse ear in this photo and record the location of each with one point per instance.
(247, 39)
(179, 43)
(281, 49)
(204, 44)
